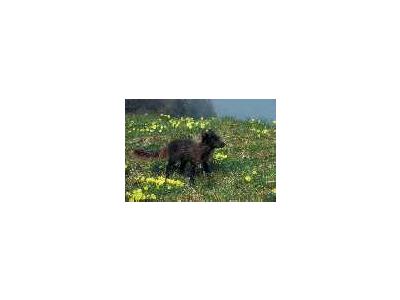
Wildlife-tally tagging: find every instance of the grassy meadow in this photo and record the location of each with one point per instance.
(245, 170)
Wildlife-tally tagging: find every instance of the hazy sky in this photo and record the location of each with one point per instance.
(246, 108)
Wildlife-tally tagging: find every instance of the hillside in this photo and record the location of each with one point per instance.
(195, 108)
(245, 170)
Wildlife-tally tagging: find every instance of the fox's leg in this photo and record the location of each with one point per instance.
(192, 173)
(182, 167)
(169, 169)
(206, 167)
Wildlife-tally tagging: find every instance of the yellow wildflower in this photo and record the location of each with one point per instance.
(138, 195)
(220, 156)
(159, 181)
(189, 124)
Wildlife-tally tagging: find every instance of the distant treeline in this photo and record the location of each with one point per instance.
(177, 107)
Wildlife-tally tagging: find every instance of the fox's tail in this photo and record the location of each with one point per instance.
(162, 153)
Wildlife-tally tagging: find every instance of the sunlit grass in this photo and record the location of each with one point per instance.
(245, 170)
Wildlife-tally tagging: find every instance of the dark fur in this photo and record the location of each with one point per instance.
(162, 153)
(182, 153)
(188, 152)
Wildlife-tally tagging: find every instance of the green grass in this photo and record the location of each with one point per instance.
(245, 170)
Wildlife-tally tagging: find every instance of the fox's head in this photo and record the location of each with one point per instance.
(211, 139)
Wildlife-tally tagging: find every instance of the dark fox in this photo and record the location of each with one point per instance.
(181, 153)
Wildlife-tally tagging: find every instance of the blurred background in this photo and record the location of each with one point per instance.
(239, 108)
(246, 108)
